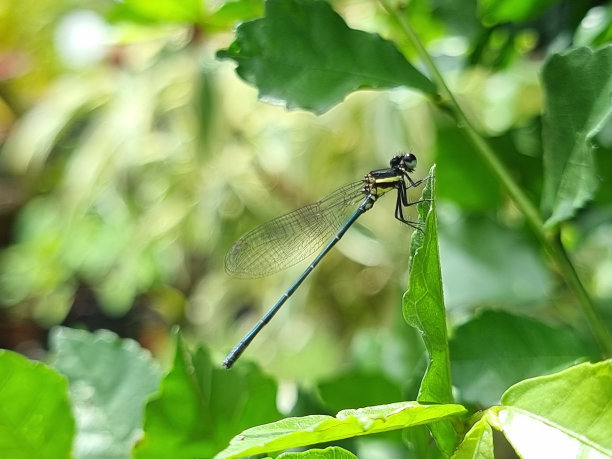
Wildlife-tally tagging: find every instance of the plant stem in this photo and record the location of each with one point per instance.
(553, 245)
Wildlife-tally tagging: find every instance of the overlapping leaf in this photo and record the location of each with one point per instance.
(477, 443)
(200, 407)
(495, 350)
(333, 452)
(576, 85)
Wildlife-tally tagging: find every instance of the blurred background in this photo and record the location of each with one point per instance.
(132, 159)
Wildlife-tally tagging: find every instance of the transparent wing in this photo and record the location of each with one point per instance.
(290, 238)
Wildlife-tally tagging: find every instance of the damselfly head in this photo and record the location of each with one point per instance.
(406, 162)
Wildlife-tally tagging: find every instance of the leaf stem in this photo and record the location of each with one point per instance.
(553, 245)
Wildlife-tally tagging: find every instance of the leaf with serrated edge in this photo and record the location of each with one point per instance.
(308, 430)
(303, 55)
(577, 85)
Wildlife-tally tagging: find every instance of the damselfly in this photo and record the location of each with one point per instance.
(290, 238)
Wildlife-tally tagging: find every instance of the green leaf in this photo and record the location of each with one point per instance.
(236, 10)
(496, 349)
(303, 54)
(35, 417)
(333, 452)
(308, 430)
(200, 407)
(477, 443)
(110, 380)
(512, 10)
(357, 388)
(423, 303)
(159, 11)
(577, 86)
(423, 308)
(565, 415)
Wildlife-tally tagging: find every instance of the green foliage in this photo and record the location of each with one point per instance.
(423, 303)
(327, 453)
(200, 406)
(294, 432)
(163, 11)
(477, 443)
(495, 350)
(575, 114)
(512, 10)
(287, 55)
(567, 414)
(110, 380)
(35, 417)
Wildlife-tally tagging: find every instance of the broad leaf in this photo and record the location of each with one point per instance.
(303, 55)
(477, 443)
(308, 430)
(200, 407)
(424, 302)
(110, 380)
(333, 452)
(496, 349)
(565, 415)
(577, 85)
(35, 417)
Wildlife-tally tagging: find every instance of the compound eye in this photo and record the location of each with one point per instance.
(395, 161)
(409, 161)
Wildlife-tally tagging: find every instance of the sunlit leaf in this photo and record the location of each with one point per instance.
(308, 430)
(333, 452)
(159, 11)
(201, 406)
(424, 302)
(35, 415)
(303, 55)
(236, 10)
(477, 443)
(110, 380)
(565, 415)
(512, 10)
(496, 349)
(576, 110)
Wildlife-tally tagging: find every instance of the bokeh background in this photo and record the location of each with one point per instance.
(132, 159)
